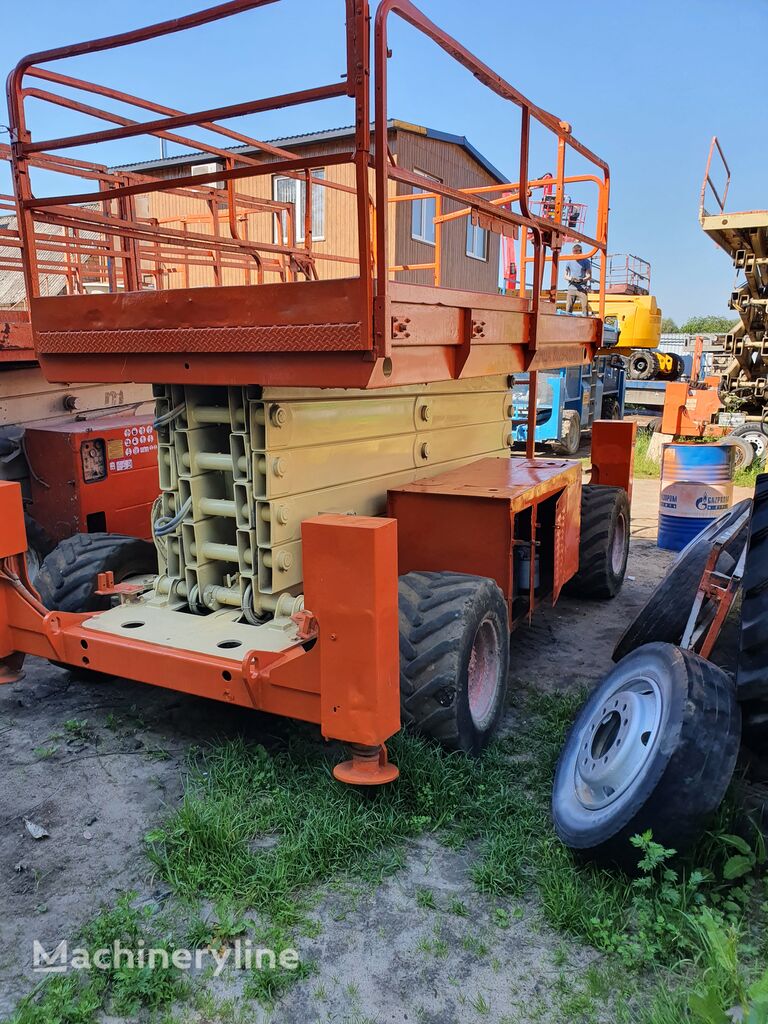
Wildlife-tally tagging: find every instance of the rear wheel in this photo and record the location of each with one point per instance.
(454, 657)
(654, 748)
(39, 545)
(603, 542)
(68, 577)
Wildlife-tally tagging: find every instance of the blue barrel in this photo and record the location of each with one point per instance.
(696, 487)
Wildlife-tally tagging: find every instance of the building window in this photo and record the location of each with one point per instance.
(423, 214)
(293, 190)
(477, 241)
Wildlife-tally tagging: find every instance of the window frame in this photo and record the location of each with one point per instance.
(421, 204)
(473, 229)
(280, 236)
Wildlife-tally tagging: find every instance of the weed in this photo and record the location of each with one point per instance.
(45, 752)
(425, 898)
(78, 729)
(501, 917)
(481, 1004)
(121, 988)
(458, 908)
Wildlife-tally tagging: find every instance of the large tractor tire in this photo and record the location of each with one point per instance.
(643, 365)
(665, 614)
(757, 434)
(39, 545)
(603, 543)
(454, 657)
(752, 671)
(68, 578)
(653, 749)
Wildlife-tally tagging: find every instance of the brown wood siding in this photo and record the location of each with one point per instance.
(446, 161)
(453, 166)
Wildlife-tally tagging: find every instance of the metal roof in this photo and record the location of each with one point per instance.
(322, 136)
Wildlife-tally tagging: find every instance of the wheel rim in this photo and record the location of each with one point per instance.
(484, 671)
(619, 544)
(616, 743)
(759, 442)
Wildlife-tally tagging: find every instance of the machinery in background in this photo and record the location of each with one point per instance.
(744, 237)
(630, 305)
(569, 401)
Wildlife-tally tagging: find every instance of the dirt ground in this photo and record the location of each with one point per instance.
(98, 762)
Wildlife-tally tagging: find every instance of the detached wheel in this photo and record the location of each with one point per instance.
(454, 657)
(68, 578)
(570, 433)
(665, 614)
(757, 435)
(654, 748)
(603, 542)
(743, 452)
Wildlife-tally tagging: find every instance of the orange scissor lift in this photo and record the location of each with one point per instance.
(373, 612)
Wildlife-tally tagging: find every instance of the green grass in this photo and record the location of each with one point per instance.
(644, 467)
(257, 833)
(77, 997)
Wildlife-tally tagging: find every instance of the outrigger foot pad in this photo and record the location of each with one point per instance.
(368, 766)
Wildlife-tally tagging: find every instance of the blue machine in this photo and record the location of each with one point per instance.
(569, 401)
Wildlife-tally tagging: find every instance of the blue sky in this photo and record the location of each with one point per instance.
(644, 84)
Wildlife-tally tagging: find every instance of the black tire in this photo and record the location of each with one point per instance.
(752, 670)
(570, 433)
(444, 616)
(681, 726)
(611, 409)
(743, 451)
(643, 365)
(757, 434)
(603, 543)
(679, 366)
(67, 580)
(39, 544)
(664, 615)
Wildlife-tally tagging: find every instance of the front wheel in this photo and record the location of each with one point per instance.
(454, 657)
(654, 748)
(603, 542)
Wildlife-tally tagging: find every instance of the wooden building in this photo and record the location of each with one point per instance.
(469, 255)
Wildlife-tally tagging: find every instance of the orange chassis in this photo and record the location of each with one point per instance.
(343, 673)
